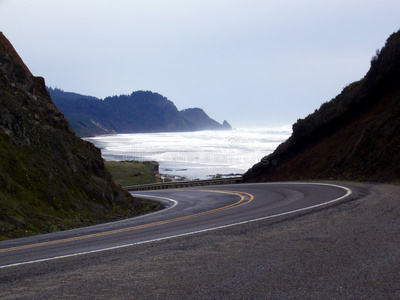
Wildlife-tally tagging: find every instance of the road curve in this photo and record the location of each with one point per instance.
(190, 211)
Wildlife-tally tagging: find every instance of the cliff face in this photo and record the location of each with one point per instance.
(355, 136)
(49, 178)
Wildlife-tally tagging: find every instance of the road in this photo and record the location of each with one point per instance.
(347, 249)
(190, 211)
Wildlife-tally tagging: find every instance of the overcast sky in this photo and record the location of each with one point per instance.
(253, 62)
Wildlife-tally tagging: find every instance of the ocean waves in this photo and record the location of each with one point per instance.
(194, 155)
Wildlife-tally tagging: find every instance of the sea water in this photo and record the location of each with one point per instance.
(195, 155)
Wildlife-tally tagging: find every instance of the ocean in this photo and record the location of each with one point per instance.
(195, 155)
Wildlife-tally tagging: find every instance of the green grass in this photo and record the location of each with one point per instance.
(132, 172)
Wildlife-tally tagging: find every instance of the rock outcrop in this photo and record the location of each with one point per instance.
(355, 136)
(201, 121)
(49, 178)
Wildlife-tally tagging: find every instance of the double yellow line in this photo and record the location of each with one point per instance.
(105, 233)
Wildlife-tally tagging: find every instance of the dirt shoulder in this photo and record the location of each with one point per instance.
(346, 251)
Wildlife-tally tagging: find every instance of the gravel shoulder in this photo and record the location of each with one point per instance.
(349, 250)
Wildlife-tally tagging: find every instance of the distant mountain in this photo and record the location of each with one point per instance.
(202, 121)
(142, 111)
(49, 178)
(355, 136)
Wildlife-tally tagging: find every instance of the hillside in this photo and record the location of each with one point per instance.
(202, 121)
(49, 178)
(140, 112)
(355, 136)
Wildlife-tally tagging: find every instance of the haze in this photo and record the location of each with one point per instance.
(254, 63)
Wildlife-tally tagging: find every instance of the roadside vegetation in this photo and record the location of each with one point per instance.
(49, 178)
(355, 136)
(125, 173)
(128, 173)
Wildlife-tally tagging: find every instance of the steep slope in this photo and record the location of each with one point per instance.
(49, 178)
(86, 115)
(142, 111)
(355, 136)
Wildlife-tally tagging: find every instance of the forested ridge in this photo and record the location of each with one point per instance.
(139, 112)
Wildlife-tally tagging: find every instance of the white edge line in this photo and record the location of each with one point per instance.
(175, 203)
(348, 193)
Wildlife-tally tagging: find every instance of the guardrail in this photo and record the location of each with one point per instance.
(181, 184)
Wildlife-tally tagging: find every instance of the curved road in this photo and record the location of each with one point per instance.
(190, 210)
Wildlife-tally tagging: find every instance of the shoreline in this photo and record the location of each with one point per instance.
(176, 178)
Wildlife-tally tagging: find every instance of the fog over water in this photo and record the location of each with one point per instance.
(200, 154)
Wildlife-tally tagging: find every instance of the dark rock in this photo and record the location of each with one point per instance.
(48, 176)
(355, 136)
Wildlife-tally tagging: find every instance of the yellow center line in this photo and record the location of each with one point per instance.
(104, 233)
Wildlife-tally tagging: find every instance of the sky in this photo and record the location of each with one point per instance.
(255, 63)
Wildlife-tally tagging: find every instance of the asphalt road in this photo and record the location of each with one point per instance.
(190, 211)
(346, 249)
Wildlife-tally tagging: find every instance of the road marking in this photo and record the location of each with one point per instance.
(175, 203)
(348, 193)
(104, 233)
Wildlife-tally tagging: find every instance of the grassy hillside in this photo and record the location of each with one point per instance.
(49, 178)
(132, 172)
(355, 136)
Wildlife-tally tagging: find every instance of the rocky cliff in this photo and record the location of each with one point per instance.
(49, 178)
(355, 136)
